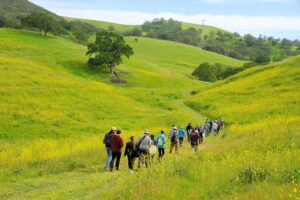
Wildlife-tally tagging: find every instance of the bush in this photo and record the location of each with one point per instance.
(251, 175)
(262, 59)
(205, 72)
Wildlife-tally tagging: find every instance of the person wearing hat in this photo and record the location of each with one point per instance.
(174, 138)
(106, 141)
(143, 146)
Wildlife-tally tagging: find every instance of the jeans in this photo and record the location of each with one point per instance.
(109, 157)
(115, 155)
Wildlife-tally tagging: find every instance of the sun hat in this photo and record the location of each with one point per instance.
(113, 128)
(146, 131)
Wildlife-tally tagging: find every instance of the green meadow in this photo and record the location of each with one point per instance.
(54, 112)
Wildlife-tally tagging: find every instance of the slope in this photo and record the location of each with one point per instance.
(54, 110)
(123, 27)
(20, 8)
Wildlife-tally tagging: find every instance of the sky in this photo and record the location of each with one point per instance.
(277, 18)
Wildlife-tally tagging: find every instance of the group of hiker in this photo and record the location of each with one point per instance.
(146, 146)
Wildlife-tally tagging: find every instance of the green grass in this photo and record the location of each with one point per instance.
(105, 25)
(123, 27)
(54, 112)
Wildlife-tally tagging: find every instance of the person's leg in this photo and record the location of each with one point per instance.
(176, 146)
(129, 162)
(172, 146)
(159, 153)
(146, 158)
(140, 159)
(118, 155)
(112, 161)
(163, 152)
(109, 156)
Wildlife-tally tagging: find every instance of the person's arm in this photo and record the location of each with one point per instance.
(121, 142)
(104, 138)
(126, 150)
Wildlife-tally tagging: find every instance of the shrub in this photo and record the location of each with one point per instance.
(250, 175)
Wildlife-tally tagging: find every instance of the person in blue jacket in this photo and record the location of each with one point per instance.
(161, 144)
(181, 136)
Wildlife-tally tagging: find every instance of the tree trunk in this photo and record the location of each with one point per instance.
(114, 73)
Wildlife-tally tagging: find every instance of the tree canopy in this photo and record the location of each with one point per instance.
(43, 22)
(108, 50)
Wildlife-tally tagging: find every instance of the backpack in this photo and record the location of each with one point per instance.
(107, 139)
(173, 138)
(160, 142)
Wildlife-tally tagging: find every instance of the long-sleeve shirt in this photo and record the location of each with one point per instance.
(116, 143)
(129, 149)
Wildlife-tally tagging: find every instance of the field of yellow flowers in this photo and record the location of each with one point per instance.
(54, 112)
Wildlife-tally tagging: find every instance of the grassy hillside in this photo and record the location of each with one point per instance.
(20, 8)
(54, 111)
(123, 27)
(104, 25)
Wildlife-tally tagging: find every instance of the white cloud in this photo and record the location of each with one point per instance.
(235, 23)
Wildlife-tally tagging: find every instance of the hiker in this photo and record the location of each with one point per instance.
(174, 139)
(195, 137)
(106, 141)
(152, 150)
(215, 127)
(161, 142)
(116, 144)
(188, 129)
(210, 125)
(200, 132)
(206, 128)
(181, 136)
(143, 147)
(221, 125)
(129, 152)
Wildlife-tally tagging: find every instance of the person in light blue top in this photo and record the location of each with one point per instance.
(181, 136)
(161, 144)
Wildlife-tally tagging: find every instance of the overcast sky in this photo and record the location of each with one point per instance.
(279, 18)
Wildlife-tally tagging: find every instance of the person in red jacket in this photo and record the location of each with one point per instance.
(116, 144)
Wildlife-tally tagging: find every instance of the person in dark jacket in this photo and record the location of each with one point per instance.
(129, 149)
(188, 129)
(106, 141)
(116, 144)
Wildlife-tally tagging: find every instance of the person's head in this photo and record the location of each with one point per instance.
(162, 132)
(173, 125)
(118, 132)
(113, 130)
(132, 138)
(146, 132)
(175, 128)
(190, 124)
(152, 137)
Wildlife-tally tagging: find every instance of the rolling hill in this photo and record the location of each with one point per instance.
(54, 112)
(123, 27)
(20, 8)
(51, 103)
